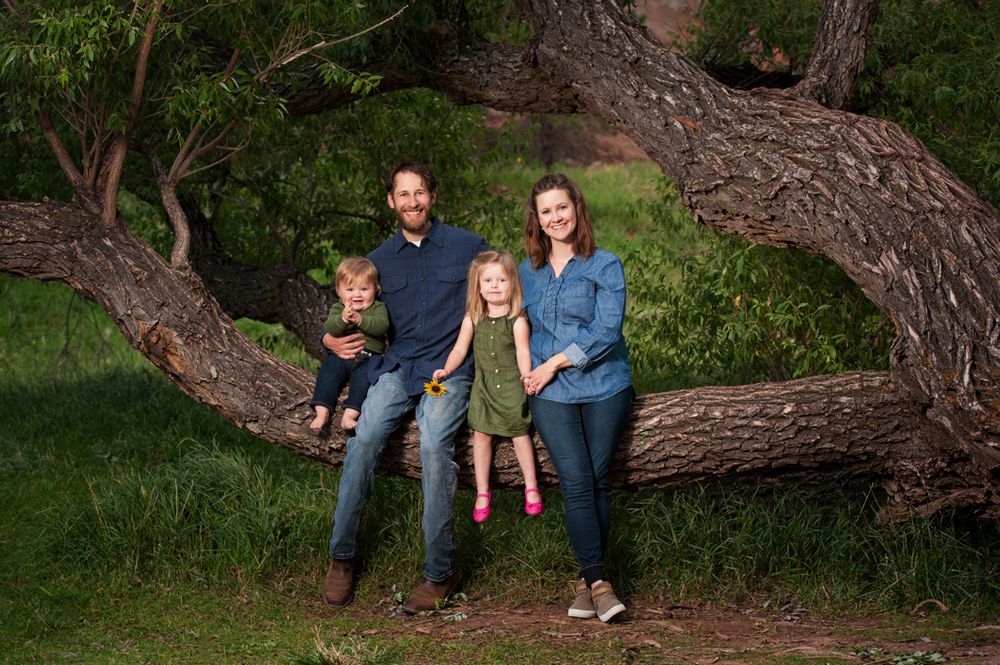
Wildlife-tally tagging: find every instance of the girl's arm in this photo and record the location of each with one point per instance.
(459, 352)
(522, 348)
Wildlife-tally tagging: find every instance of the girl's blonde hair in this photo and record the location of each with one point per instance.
(475, 305)
(356, 270)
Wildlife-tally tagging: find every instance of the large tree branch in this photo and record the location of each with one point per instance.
(274, 294)
(853, 424)
(468, 69)
(781, 170)
(839, 53)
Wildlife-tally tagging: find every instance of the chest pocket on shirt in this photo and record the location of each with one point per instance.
(393, 290)
(577, 300)
(452, 281)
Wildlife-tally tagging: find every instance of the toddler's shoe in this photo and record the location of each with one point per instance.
(532, 507)
(480, 514)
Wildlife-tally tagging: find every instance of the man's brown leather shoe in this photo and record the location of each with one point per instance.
(430, 595)
(338, 587)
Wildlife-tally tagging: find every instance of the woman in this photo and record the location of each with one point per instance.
(580, 390)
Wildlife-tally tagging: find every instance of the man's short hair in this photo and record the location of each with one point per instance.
(421, 169)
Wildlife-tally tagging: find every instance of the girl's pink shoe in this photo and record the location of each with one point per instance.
(480, 514)
(532, 507)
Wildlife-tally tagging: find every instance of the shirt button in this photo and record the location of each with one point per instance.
(496, 371)
(498, 385)
(492, 354)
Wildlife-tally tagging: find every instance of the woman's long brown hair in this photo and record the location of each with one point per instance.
(536, 243)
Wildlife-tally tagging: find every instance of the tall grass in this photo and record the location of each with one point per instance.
(213, 512)
(776, 545)
(216, 510)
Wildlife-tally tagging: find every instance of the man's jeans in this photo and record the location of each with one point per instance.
(581, 440)
(438, 419)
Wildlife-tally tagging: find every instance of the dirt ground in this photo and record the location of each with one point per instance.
(653, 632)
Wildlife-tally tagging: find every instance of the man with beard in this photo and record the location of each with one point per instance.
(423, 277)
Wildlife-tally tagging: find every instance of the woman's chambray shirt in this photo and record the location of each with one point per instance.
(579, 313)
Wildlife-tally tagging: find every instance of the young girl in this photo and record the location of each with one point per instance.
(498, 334)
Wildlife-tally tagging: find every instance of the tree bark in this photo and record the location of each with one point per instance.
(839, 53)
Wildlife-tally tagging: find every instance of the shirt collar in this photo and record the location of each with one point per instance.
(399, 241)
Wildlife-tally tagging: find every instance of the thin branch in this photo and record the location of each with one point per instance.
(189, 151)
(230, 151)
(62, 155)
(120, 147)
(201, 150)
(323, 44)
(179, 253)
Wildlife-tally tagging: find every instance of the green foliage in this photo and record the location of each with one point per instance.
(211, 80)
(934, 68)
(771, 34)
(309, 192)
(931, 67)
(775, 545)
(711, 309)
(133, 515)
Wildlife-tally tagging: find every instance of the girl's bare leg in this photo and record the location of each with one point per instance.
(322, 415)
(526, 459)
(482, 461)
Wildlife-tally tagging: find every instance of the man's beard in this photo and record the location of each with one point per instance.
(416, 224)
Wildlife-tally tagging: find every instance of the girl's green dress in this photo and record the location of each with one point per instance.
(498, 404)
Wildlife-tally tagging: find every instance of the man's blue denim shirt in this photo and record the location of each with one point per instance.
(579, 313)
(424, 289)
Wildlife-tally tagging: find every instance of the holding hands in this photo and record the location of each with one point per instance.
(540, 377)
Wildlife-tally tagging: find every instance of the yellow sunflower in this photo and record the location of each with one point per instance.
(434, 387)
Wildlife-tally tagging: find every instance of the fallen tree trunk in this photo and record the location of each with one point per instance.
(851, 424)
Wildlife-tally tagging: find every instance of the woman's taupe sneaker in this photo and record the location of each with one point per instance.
(583, 606)
(606, 603)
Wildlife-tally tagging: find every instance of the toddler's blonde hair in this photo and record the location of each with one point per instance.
(355, 270)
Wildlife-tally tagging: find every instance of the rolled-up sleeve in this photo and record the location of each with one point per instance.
(595, 340)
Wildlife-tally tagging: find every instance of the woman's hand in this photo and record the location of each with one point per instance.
(344, 347)
(540, 377)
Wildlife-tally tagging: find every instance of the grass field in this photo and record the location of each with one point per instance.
(138, 526)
